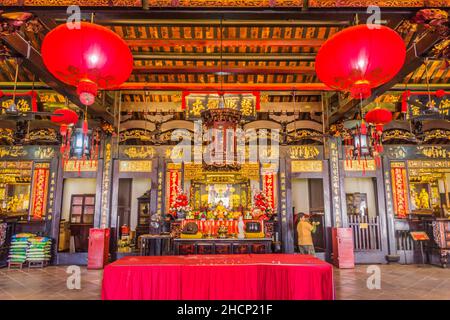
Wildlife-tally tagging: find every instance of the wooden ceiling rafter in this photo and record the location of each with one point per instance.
(225, 23)
(226, 56)
(230, 16)
(226, 86)
(216, 70)
(225, 42)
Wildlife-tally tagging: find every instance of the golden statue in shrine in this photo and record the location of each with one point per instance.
(424, 199)
(415, 197)
(13, 204)
(220, 210)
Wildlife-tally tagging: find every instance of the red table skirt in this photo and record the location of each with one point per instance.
(219, 277)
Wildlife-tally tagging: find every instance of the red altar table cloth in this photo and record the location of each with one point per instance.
(219, 277)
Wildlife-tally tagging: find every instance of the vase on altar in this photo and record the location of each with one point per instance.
(181, 215)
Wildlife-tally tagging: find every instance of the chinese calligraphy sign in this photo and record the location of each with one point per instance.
(196, 103)
(399, 185)
(40, 190)
(24, 102)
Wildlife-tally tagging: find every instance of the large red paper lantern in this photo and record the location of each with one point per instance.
(91, 57)
(360, 58)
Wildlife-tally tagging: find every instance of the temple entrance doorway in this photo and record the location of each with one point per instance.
(133, 213)
(363, 217)
(308, 197)
(77, 214)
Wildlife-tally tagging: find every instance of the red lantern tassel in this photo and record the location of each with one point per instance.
(363, 127)
(63, 130)
(91, 151)
(184, 94)
(85, 127)
(405, 96)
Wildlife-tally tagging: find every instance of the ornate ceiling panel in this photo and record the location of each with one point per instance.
(380, 3)
(65, 3)
(232, 3)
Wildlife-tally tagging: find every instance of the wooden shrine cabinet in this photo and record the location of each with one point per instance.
(82, 209)
(143, 215)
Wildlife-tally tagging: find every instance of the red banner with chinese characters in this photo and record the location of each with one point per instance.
(174, 177)
(40, 191)
(269, 188)
(399, 190)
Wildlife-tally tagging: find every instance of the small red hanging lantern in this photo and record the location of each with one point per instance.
(65, 117)
(91, 57)
(360, 58)
(378, 117)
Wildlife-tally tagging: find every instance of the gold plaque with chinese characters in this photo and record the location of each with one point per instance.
(360, 165)
(306, 166)
(135, 166)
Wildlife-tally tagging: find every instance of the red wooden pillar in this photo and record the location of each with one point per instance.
(343, 255)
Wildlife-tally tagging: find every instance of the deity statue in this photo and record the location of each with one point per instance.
(13, 204)
(220, 207)
(415, 197)
(424, 199)
(241, 227)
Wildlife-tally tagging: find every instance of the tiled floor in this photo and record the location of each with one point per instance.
(397, 282)
(48, 283)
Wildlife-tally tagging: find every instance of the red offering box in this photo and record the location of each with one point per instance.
(343, 255)
(98, 250)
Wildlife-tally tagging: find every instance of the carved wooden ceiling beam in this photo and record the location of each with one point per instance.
(224, 43)
(225, 70)
(148, 4)
(225, 56)
(379, 3)
(224, 87)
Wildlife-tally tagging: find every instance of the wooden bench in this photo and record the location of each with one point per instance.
(15, 265)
